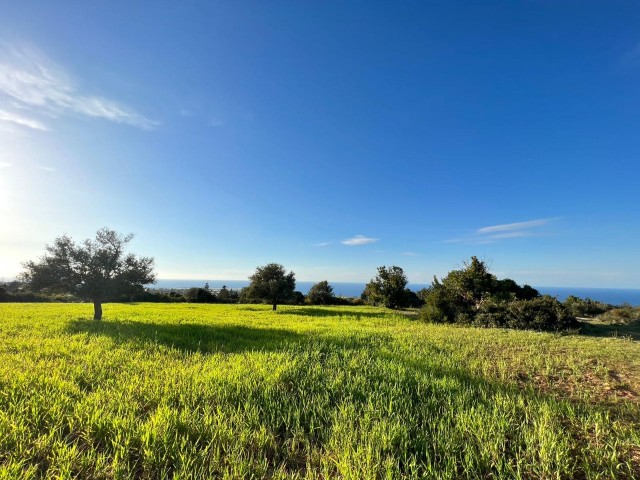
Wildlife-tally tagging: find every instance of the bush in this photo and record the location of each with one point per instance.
(199, 295)
(321, 293)
(579, 307)
(473, 296)
(227, 296)
(542, 313)
(411, 299)
(387, 289)
(439, 305)
(297, 298)
(625, 315)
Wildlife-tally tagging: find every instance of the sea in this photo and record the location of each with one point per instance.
(614, 296)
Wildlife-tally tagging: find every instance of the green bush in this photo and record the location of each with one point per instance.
(542, 313)
(199, 295)
(579, 307)
(321, 293)
(473, 296)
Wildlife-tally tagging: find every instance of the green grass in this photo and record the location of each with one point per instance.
(227, 391)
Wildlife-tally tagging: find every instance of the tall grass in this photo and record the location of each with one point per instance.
(228, 391)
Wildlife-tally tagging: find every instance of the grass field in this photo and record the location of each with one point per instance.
(237, 391)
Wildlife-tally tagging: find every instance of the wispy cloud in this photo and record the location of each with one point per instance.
(16, 119)
(322, 244)
(45, 168)
(30, 81)
(411, 254)
(5, 164)
(358, 240)
(494, 233)
(508, 227)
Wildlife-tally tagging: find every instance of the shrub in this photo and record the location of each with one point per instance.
(579, 307)
(474, 296)
(321, 293)
(542, 313)
(199, 295)
(387, 289)
(625, 315)
(297, 298)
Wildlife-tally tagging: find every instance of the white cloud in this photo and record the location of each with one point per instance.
(411, 254)
(30, 81)
(358, 240)
(21, 121)
(494, 233)
(515, 226)
(5, 164)
(45, 169)
(322, 244)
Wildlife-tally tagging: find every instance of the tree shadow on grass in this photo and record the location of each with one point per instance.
(615, 331)
(332, 312)
(189, 337)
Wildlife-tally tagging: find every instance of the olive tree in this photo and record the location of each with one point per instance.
(271, 283)
(95, 270)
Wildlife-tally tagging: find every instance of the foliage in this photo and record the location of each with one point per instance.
(387, 289)
(199, 295)
(227, 296)
(321, 293)
(411, 299)
(297, 298)
(508, 289)
(623, 315)
(541, 313)
(579, 307)
(441, 305)
(271, 283)
(474, 296)
(97, 270)
(223, 391)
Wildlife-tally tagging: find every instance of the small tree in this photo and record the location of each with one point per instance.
(96, 270)
(271, 283)
(224, 294)
(472, 285)
(321, 293)
(387, 288)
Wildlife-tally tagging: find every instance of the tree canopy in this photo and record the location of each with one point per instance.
(387, 288)
(271, 283)
(321, 293)
(473, 295)
(96, 270)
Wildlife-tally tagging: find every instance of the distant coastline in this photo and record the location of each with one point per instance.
(615, 296)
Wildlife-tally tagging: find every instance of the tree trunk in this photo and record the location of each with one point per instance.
(275, 305)
(97, 310)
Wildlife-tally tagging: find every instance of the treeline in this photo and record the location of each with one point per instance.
(320, 294)
(97, 270)
(474, 296)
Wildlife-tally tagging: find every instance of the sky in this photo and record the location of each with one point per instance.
(331, 137)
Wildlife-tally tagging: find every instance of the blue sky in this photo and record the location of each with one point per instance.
(331, 137)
